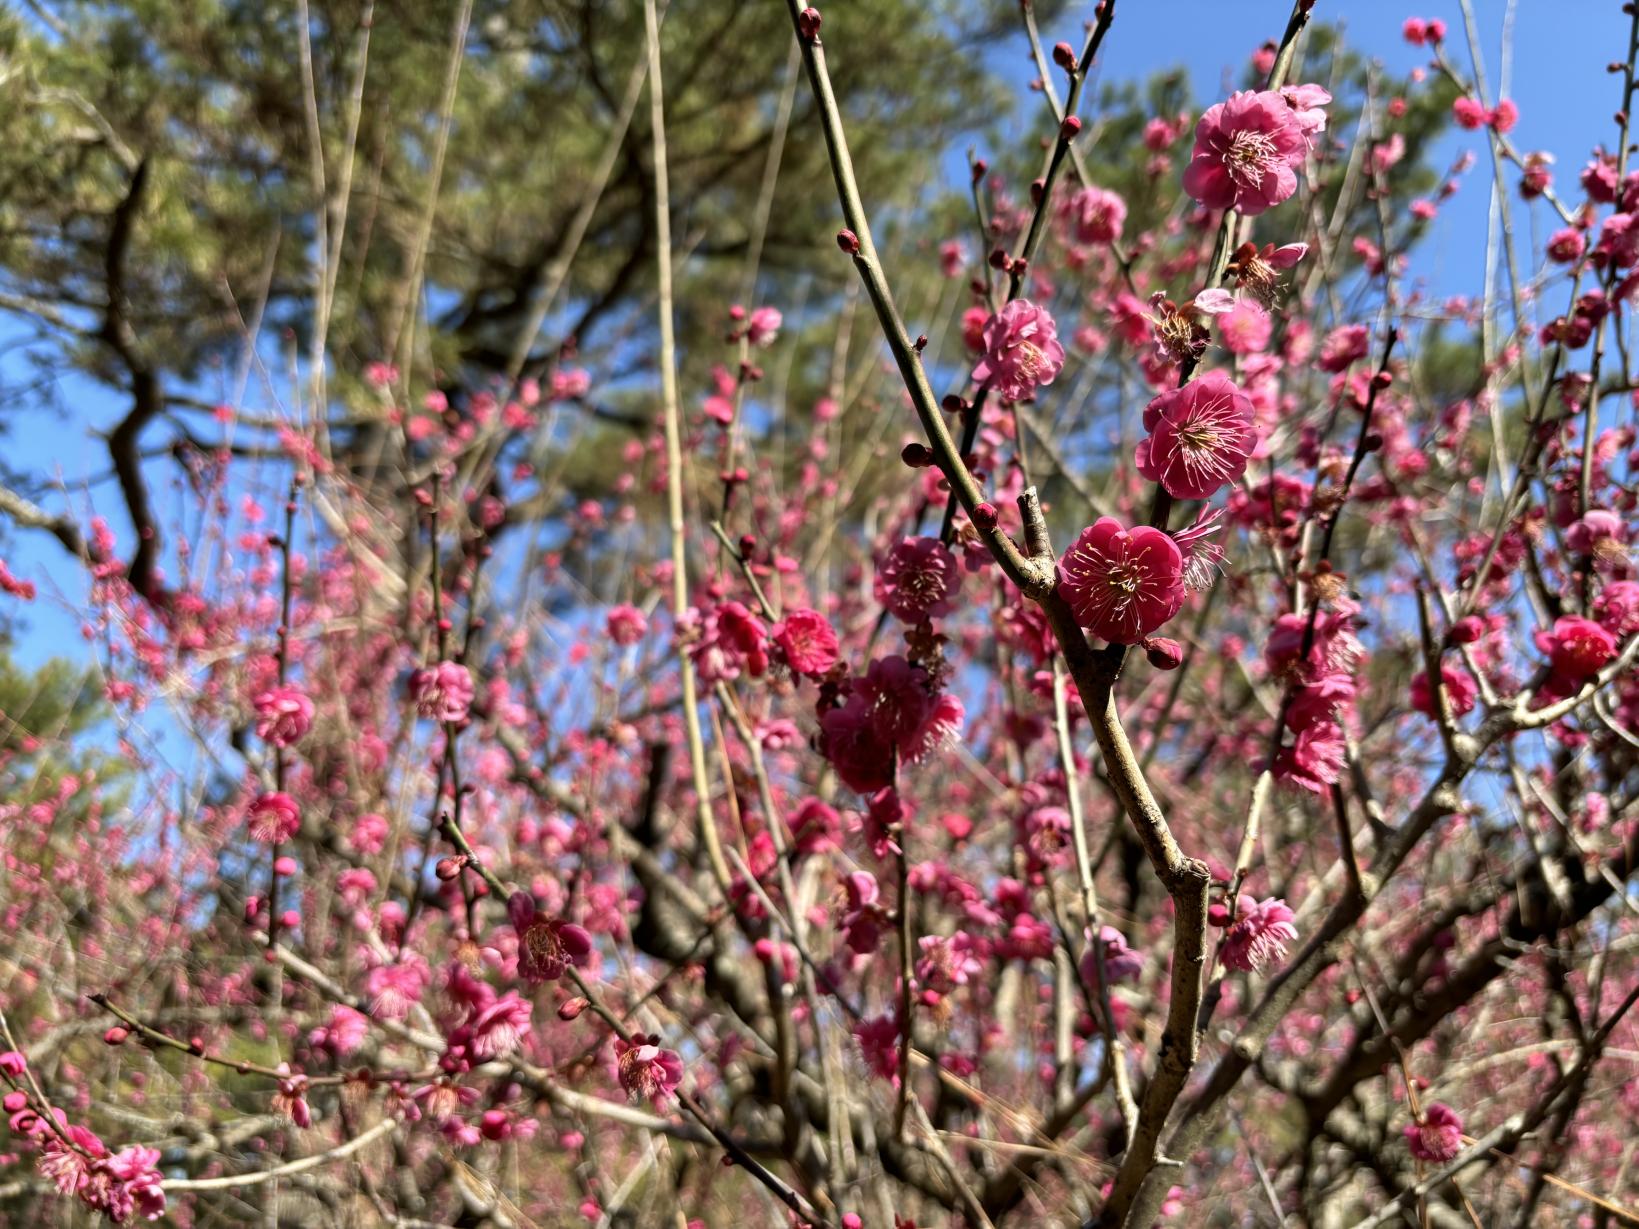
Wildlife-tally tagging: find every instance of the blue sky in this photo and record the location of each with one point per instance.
(1557, 78)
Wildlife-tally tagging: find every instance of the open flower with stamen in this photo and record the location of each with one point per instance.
(1307, 103)
(273, 818)
(1246, 151)
(1022, 351)
(1258, 271)
(1259, 934)
(1180, 333)
(1095, 214)
(646, 1071)
(1200, 437)
(547, 947)
(284, 715)
(1438, 1137)
(1202, 559)
(1122, 584)
(918, 580)
(500, 1028)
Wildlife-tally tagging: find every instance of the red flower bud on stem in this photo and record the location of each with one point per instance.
(1164, 653)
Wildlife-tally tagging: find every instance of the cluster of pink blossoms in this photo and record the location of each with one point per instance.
(1470, 113)
(893, 715)
(489, 1025)
(120, 1185)
(731, 640)
(1321, 691)
(1124, 584)
(1577, 649)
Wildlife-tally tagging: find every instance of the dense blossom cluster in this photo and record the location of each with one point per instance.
(1225, 701)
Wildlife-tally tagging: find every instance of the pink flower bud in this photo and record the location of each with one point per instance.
(1164, 653)
(1467, 630)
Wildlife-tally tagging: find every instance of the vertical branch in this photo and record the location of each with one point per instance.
(284, 677)
(907, 968)
(1186, 879)
(1115, 1050)
(674, 453)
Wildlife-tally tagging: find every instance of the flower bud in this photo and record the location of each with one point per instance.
(916, 455)
(1164, 653)
(570, 1009)
(1064, 56)
(115, 1036)
(848, 242)
(984, 516)
(448, 868)
(808, 24)
(1069, 128)
(1382, 380)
